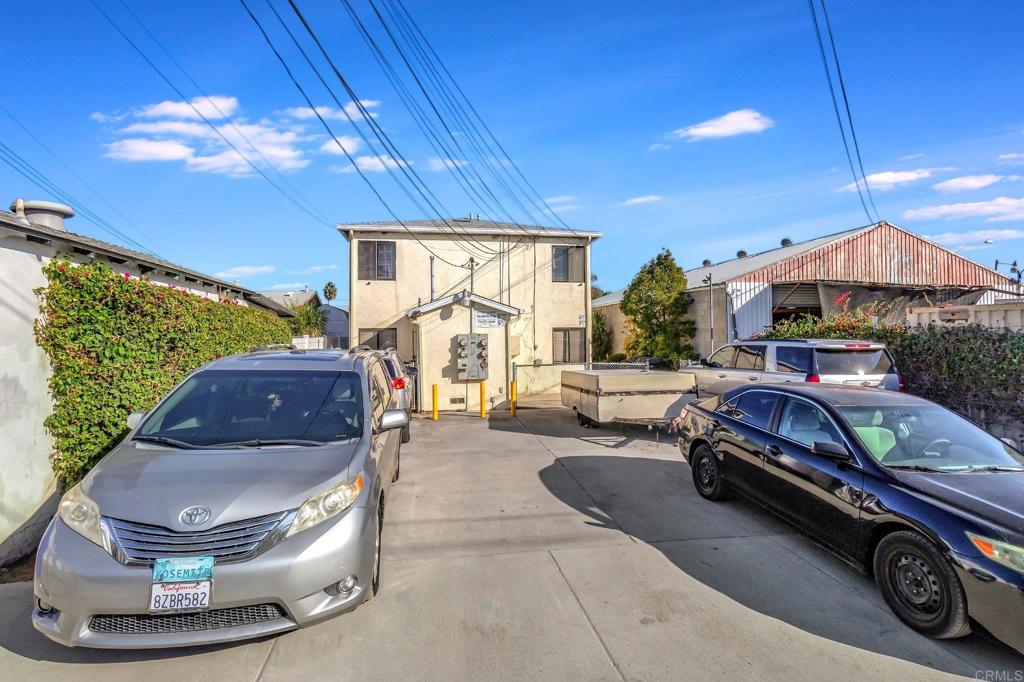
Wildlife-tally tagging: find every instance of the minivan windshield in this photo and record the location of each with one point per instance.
(928, 437)
(849, 362)
(232, 407)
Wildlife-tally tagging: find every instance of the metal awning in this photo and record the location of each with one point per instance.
(463, 298)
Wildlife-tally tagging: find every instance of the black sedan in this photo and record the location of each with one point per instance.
(928, 502)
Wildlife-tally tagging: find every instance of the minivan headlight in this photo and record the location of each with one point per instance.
(326, 505)
(82, 515)
(1003, 553)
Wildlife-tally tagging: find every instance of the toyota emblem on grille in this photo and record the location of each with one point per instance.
(194, 516)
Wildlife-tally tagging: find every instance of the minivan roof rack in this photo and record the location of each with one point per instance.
(273, 346)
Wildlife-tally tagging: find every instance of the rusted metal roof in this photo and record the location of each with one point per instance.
(883, 254)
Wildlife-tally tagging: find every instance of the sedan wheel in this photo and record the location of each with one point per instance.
(707, 473)
(920, 586)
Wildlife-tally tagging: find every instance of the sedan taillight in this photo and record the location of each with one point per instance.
(398, 382)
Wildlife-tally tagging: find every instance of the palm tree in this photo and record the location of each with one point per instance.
(330, 291)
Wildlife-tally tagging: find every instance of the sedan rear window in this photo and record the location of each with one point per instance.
(853, 362)
(227, 406)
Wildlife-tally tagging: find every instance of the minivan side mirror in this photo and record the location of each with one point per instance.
(830, 449)
(703, 362)
(134, 419)
(393, 419)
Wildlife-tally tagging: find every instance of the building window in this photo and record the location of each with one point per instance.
(569, 344)
(379, 339)
(377, 260)
(567, 264)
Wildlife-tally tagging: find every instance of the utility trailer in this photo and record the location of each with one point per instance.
(627, 396)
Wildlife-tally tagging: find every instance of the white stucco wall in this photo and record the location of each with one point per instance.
(28, 493)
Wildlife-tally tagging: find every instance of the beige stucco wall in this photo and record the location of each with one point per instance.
(520, 277)
(618, 323)
(28, 493)
(700, 312)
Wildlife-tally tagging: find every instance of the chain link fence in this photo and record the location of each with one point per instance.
(541, 385)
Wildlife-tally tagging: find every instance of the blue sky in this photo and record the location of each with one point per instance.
(700, 127)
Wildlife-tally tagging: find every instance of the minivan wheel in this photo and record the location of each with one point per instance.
(398, 466)
(920, 586)
(406, 434)
(375, 575)
(707, 473)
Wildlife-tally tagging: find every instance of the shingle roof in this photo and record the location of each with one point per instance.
(18, 223)
(466, 226)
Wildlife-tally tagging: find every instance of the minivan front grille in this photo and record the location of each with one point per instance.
(230, 542)
(164, 623)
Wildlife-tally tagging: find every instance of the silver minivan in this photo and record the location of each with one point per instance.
(829, 361)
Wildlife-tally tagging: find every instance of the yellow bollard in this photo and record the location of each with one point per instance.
(483, 399)
(433, 412)
(512, 391)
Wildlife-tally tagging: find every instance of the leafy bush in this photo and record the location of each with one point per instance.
(973, 370)
(617, 357)
(601, 337)
(117, 345)
(308, 320)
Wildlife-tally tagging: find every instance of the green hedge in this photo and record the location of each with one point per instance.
(117, 345)
(973, 370)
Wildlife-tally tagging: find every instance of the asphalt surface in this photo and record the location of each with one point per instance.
(533, 549)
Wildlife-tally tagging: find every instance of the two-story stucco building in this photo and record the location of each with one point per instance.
(417, 286)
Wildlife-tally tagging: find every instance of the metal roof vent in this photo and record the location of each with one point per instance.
(741, 254)
(786, 241)
(707, 263)
(43, 213)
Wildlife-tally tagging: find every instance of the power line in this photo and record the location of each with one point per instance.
(206, 120)
(213, 103)
(82, 180)
(846, 102)
(835, 108)
(348, 155)
(403, 165)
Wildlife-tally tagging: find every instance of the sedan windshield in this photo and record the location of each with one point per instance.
(928, 438)
(253, 408)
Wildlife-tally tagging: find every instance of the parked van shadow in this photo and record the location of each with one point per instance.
(19, 637)
(745, 553)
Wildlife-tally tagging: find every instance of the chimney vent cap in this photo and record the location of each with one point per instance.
(741, 254)
(43, 213)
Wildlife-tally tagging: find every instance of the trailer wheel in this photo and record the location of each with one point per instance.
(584, 421)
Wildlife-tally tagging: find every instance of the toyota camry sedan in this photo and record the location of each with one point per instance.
(248, 502)
(928, 502)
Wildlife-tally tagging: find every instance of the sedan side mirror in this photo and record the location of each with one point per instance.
(134, 419)
(393, 419)
(830, 449)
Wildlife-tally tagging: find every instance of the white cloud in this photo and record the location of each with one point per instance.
(658, 147)
(330, 113)
(100, 117)
(314, 269)
(969, 182)
(215, 107)
(437, 164)
(371, 164)
(888, 180)
(1013, 158)
(973, 239)
(646, 199)
(565, 208)
(995, 210)
(560, 199)
(908, 157)
(142, 149)
(177, 128)
(737, 122)
(349, 143)
(288, 286)
(246, 271)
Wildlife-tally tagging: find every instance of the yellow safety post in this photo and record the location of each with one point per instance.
(512, 390)
(483, 399)
(433, 411)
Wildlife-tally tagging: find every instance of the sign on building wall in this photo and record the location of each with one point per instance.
(489, 319)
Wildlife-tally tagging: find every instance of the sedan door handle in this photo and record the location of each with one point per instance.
(751, 378)
(773, 450)
(722, 376)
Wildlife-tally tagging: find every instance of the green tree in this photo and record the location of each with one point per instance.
(330, 291)
(656, 301)
(601, 338)
(308, 320)
(595, 290)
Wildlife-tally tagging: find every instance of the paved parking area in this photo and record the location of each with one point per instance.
(533, 549)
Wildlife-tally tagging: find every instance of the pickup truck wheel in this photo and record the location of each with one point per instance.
(707, 474)
(920, 586)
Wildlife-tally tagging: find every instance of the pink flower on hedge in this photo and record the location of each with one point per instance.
(127, 276)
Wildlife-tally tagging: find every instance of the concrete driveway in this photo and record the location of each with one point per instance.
(532, 549)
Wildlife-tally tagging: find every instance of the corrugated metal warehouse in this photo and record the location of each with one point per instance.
(738, 298)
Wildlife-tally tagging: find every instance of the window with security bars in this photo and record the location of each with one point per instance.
(379, 339)
(569, 345)
(567, 264)
(377, 260)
